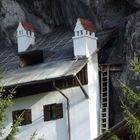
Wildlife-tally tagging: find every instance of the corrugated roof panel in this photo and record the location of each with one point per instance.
(43, 72)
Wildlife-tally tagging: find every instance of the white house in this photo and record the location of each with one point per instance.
(60, 94)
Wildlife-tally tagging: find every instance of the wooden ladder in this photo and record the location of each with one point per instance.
(104, 100)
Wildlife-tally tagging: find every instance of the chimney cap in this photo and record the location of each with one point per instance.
(87, 25)
(27, 26)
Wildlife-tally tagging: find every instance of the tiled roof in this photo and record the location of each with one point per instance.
(27, 26)
(87, 25)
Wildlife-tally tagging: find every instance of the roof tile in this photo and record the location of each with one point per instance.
(27, 26)
(87, 25)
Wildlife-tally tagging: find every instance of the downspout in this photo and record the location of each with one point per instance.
(81, 86)
(68, 110)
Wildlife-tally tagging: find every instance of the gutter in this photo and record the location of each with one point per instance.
(68, 110)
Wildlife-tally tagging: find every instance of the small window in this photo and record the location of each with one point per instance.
(26, 32)
(30, 33)
(20, 32)
(77, 33)
(25, 113)
(53, 112)
(90, 33)
(81, 32)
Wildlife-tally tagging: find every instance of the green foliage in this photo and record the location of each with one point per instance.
(114, 137)
(133, 97)
(15, 128)
(5, 102)
(133, 122)
(135, 65)
(33, 136)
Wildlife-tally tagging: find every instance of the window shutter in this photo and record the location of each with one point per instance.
(28, 116)
(47, 112)
(59, 111)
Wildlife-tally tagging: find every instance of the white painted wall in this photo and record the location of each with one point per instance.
(83, 115)
(84, 42)
(94, 93)
(84, 45)
(24, 40)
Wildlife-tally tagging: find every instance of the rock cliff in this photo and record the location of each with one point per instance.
(107, 15)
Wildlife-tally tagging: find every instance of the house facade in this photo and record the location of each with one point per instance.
(57, 84)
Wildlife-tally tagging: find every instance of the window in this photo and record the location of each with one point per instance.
(26, 113)
(21, 32)
(90, 33)
(77, 33)
(53, 112)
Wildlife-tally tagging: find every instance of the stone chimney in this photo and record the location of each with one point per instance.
(25, 36)
(84, 40)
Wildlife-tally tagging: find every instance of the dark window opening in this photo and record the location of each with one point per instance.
(31, 58)
(53, 112)
(20, 32)
(77, 33)
(25, 114)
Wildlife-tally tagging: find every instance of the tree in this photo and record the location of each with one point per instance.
(5, 103)
(133, 98)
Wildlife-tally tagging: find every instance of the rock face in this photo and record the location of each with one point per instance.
(123, 15)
